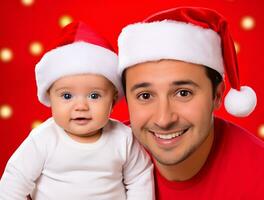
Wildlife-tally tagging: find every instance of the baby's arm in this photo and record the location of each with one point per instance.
(22, 169)
(138, 173)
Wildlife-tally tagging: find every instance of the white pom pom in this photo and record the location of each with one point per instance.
(240, 103)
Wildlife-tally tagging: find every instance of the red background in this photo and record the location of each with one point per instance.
(21, 25)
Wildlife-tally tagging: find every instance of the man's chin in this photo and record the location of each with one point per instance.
(168, 162)
(171, 160)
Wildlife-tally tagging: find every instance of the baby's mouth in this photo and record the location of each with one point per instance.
(81, 120)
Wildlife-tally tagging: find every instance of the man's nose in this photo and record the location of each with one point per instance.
(81, 104)
(165, 114)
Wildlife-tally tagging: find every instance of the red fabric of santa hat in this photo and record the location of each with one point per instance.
(77, 50)
(190, 34)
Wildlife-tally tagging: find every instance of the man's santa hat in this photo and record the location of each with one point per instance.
(78, 50)
(195, 35)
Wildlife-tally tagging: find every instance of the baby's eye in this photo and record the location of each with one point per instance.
(94, 95)
(67, 96)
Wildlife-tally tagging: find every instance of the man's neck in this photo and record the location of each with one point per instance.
(191, 166)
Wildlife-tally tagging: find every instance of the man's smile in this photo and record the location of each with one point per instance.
(168, 135)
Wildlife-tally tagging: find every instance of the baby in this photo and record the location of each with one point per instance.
(79, 153)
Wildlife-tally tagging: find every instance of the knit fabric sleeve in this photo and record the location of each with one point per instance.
(138, 172)
(23, 169)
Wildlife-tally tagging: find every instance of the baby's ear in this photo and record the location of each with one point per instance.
(115, 98)
(48, 93)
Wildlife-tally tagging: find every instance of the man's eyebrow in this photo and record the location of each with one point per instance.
(176, 83)
(184, 82)
(140, 85)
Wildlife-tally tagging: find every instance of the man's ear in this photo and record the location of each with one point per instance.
(219, 94)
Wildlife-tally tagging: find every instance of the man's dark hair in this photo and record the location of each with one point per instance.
(214, 76)
(124, 82)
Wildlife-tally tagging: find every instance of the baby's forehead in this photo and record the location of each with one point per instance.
(87, 80)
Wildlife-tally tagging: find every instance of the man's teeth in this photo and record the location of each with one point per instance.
(169, 136)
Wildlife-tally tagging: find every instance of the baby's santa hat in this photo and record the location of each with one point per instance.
(195, 35)
(78, 50)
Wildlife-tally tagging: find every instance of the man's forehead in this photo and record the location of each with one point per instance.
(163, 68)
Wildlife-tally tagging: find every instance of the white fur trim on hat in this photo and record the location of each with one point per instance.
(72, 59)
(240, 103)
(142, 42)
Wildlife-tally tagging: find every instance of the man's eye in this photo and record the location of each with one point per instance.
(67, 96)
(144, 96)
(94, 96)
(184, 93)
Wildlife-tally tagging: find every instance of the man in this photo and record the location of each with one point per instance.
(172, 65)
